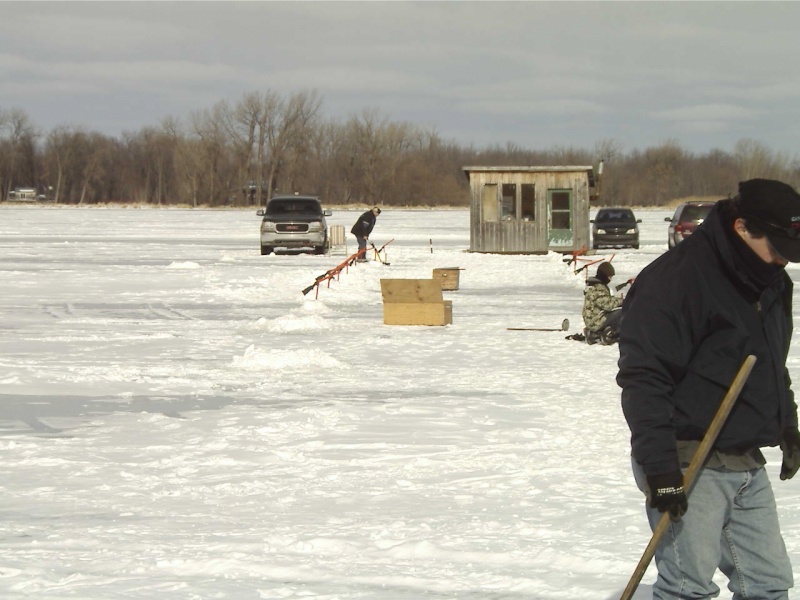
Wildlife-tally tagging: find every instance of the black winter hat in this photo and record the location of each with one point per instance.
(774, 207)
(606, 269)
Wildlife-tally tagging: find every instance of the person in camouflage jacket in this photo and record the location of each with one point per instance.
(598, 303)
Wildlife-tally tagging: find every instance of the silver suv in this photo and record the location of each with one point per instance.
(294, 222)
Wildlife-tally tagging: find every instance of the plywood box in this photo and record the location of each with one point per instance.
(447, 278)
(414, 302)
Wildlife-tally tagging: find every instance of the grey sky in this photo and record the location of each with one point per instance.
(538, 74)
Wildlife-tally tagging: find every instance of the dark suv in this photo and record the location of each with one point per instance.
(294, 222)
(615, 228)
(685, 220)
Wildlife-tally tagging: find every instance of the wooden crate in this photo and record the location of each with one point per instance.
(414, 302)
(447, 277)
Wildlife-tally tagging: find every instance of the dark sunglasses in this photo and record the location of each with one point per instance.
(792, 232)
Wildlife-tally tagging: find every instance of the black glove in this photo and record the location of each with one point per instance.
(790, 444)
(667, 494)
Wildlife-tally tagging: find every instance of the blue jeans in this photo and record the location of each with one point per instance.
(362, 245)
(731, 524)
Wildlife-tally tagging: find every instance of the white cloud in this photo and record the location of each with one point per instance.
(487, 71)
(703, 112)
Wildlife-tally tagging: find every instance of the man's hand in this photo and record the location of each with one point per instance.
(790, 444)
(667, 494)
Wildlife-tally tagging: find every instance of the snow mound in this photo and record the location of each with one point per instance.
(183, 265)
(305, 318)
(255, 358)
(315, 306)
(293, 322)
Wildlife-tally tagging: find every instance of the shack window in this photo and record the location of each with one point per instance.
(489, 202)
(509, 201)
(560, 209)
(528, 204)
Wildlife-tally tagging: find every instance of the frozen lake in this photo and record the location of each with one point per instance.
(178, 421)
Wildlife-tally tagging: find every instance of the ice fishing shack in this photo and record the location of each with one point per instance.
(531, 210)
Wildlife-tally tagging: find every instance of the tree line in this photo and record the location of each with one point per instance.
(240, 153)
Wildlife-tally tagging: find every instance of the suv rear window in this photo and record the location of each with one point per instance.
(695, 213)
(293, 207)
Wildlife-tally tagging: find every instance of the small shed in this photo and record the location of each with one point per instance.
(530, 210)
(22, 195)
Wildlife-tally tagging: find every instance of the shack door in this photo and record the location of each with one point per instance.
(559, 218)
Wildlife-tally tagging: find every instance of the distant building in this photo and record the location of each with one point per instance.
(22, 195)
(530, 210)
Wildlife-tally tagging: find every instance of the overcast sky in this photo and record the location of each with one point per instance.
(538, 74)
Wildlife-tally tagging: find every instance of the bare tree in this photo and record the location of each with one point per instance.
(277, 141)
(210, 130)
(94, 150)
(242, 125)
(324, 178)
(17, 150)
(147, 172)
(378, 146)
(64, 151)
(289, 131)
(188, 159)
(756, 160)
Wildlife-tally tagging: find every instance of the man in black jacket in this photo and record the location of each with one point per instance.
(689, 321)
(362, 228)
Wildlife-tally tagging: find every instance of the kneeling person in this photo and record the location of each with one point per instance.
(600, 308)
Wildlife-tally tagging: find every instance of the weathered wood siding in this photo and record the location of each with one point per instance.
(518, 236)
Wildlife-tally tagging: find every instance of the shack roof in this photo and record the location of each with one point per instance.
(531, 169)
(551, 169)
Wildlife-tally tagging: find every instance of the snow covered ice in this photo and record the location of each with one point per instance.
(178, 421)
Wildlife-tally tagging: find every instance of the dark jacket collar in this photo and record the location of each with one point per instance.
(592, 281)
(740, 264)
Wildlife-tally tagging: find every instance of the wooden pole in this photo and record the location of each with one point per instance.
(694, 468)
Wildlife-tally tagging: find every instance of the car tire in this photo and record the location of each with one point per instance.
(266, 250)
(319, 249)
(636, 246)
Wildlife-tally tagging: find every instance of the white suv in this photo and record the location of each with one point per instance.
(294, 222)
